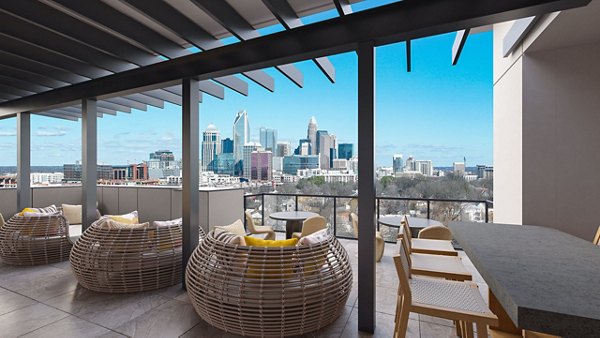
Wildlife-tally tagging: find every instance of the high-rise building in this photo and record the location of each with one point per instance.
(459, 169)
(291, 164)
(227, 146)
(410, 164)
(241, 136)
(211, 146)
(311, 135)
(224, 163)
(425, 167)
(325, 144)
(247, 158)
(72, 172)
(345, 151)
(268, 138)
(161, 159)
(397, 163)
(283, 149)
(261, 168)
(304, 147)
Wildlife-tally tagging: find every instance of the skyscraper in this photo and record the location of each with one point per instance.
(283, 149)
(345, 150)
(397, 163)
(247, 158)
(211, 146)
(311, 135)
(261, 165)
(241, 136)
(268, 138)
(410, 164)
(327, 145)
(227, 146)
(459, 169)
(425, 167)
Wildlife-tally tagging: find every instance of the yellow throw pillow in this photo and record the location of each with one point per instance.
(130, 218)
(253, 241)
(22, 213)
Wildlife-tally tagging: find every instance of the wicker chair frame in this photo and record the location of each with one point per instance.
(269, 292)
(128, 260)
(34, 240)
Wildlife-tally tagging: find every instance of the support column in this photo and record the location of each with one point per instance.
(89, 161)
(366, 187)
(23, 160)
(191, 168)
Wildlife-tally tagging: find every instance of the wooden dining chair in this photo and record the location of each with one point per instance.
(428, 246)
(310, 226)
(448, 267)
(259, 229)
(457, 301)
(436, 232)
(379, 242)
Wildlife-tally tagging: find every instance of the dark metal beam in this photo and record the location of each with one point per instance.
(230, 19)
(190, 162)
(408, 56)
(288, 19)
(343, 7)
(89, 161)
(23, 160)
(399, 21)
(366, 187)
(459, 44)
(517, 32)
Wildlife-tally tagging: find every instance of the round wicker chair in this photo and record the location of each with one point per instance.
(34, 240)
(127, 260)
(269, 292)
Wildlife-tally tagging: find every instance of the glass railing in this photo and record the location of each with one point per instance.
(337, 209)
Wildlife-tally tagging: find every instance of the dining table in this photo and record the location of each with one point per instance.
(415, 223)
(539, 278)
(293, 220)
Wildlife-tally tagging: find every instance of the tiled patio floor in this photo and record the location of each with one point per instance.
(45, 301)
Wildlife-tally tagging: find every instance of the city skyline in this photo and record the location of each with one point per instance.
(457, 124)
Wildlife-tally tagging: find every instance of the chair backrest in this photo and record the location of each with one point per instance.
(313, 224)
(404, 222)
(406, 234)
(595, 241)
(436, 232)
(405, 245)
(354, 220)
(402, 263)
(249, 222)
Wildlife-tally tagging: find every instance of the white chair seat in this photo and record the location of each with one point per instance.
(463, 296)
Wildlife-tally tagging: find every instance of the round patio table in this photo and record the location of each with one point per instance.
(416, 224)
(293, 220)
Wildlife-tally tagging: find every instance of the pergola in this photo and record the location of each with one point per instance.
(82, 59)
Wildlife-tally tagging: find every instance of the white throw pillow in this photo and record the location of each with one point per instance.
(72, 213)
(177, 221)
(228, 237)
(130, 218)
(314, 238)
(236, 227)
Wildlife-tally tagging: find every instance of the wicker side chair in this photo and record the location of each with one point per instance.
(34, 240)
(128, 260)
(269, 292)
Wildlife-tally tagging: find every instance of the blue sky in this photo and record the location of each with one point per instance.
(437, 112)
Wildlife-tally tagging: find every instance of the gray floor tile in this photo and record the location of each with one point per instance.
(10, 301)
(171, 319)
(336, 328)
(108, 310)
(72, 327)
(27, 319)
(430, 330)
(39, 282)
(204, 330)
(384, 327)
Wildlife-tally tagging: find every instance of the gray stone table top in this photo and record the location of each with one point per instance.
(546, 280)
(413, 222)
(292, 215)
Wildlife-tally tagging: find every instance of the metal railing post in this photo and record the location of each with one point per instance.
(429, 209)
(377, 200)
(487, 208)
(335, 216)
(245, 207)
(263, 208)
(296, 202)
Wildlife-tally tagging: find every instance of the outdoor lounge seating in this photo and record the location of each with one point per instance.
(311, 225)
(258, 229)
(458, 301)
(269, 291)
(379, 242)
(428, 246)
(32, 240)
(134, 258)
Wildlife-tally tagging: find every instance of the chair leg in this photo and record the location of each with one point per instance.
(270, 235)
(468, 330)
(482, 331)
(402, 323)
(458, 328)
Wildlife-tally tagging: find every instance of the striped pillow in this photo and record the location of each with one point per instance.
(49, 210)
(228, 237)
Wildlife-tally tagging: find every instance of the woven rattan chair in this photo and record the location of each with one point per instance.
(436, 232)
(379, 242)
(458, 301)
(269, 292)
(310, 226)
(428, 246)
(127, 260)
(34, 240)
(258, 229)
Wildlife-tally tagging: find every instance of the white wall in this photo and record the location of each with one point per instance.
(508, 166)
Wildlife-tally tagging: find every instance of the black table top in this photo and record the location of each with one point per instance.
(546, 280)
